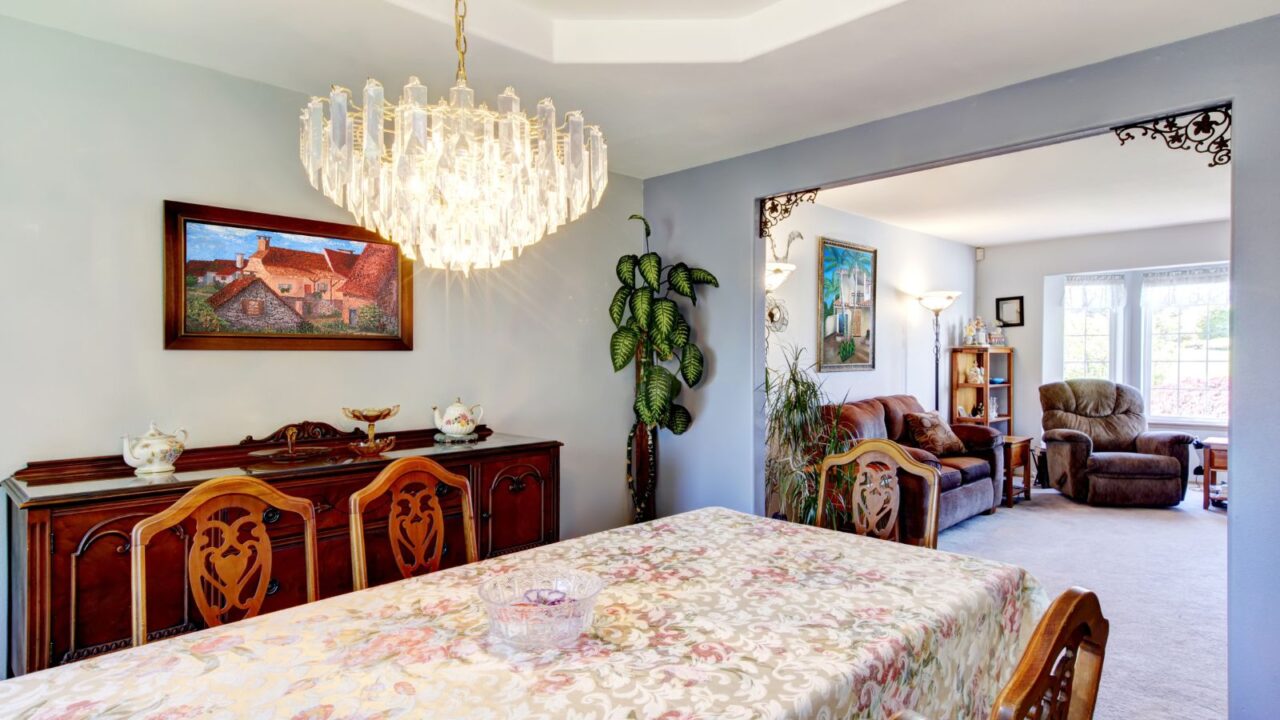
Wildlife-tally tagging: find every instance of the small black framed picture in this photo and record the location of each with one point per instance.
(1009, 311)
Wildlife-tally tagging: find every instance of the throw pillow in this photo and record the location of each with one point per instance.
(931, 434)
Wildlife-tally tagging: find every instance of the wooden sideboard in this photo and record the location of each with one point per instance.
(69, 524)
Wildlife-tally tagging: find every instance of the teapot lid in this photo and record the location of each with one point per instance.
(154, 431)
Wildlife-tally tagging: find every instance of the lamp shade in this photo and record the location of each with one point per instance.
(939, 300)
(776, 273)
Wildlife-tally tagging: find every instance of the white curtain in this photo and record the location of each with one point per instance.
(1207, 284)
(1094, 292)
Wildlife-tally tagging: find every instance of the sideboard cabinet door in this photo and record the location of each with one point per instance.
(517, 503)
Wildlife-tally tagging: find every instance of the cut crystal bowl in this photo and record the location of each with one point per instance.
(540, 606)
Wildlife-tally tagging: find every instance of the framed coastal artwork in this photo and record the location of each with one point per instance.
(237, 280)
(846, 306)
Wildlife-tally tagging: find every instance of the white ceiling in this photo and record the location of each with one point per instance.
(648, 9)
(1080, 187)
(669, 92)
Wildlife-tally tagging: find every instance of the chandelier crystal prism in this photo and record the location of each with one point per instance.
(459, 186)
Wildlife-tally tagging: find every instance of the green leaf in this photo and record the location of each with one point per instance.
(651, 269)
(680, 336)
(627, 270)
(638, 216)
(622, 347)
(681, 280)
(643, 413)
(662, 347)
(642, 307)
(691, 364)
(702, 277)
(665, 315)
(660, 387)
(618, 305)
(679, 419)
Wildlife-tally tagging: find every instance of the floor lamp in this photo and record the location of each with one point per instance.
(936, 302)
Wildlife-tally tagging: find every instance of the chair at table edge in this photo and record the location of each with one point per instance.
(390, 475)
(1075, 616)
(931, 477)
(223, 487)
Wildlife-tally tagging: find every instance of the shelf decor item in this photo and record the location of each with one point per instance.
(460, 186)
(458, 421)
(154, 452)
(846, 306)
(372, 446)
(651, 330)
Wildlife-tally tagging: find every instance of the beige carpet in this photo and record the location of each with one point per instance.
(1161, 576)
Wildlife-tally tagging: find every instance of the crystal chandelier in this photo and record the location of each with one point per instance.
(457, 185)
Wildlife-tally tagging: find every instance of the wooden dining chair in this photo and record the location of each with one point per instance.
(1058, 675)
(229, 564)
(415, 521)
(875, 497)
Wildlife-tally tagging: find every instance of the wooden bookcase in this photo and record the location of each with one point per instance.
(996, 362)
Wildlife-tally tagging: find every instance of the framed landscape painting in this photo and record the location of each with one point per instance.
(846, 307)
(237, 280)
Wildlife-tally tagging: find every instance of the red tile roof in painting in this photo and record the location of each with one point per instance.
(340, 262)
(199, 267)
(373, 270)
(217, 267)
(233, 289)
(283, 261)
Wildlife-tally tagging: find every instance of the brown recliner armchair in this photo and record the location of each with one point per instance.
(1100, 451)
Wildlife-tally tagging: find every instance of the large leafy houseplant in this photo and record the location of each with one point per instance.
(798, 437)
(653, 333)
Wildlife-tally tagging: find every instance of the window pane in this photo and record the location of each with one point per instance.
(1099, 370)
(1164, 402)
(1191, 348)
(1164, 347)
(1073, 349)
(1219, 371)
(1074, 370)
(1192, 375)
(1164, 375)
(1073, 322)
(1194, 320)
(1165, 320)
(1098, 322)
(1097, 349)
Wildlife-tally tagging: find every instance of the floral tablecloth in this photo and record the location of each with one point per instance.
(708, 614)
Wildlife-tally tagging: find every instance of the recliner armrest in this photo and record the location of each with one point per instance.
(1163, 443)
(1069, 436)
(978, 437)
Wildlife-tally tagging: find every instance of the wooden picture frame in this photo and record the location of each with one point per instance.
(846, 308)
(1009, 311)
(281, 297)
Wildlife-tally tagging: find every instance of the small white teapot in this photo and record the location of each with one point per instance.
(154, 452)
(458, 420)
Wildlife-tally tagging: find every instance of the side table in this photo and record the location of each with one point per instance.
(1215, 461)
(1017, 454)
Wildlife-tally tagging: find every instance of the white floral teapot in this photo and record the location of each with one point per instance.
(458, 420)
(154, 452)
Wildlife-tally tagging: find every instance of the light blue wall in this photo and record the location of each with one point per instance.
(707, 215)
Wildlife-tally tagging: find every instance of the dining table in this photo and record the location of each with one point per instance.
(706, 614)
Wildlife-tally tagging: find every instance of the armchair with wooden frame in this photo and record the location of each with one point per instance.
(1059, 673)
(874, 494)
(415, 518)
(229, 564)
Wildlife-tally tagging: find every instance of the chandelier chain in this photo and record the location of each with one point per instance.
(459, 30)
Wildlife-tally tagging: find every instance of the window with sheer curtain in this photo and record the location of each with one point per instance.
(1187, 342)
(1092, 311)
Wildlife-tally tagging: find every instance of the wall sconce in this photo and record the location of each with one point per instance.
(779, 269)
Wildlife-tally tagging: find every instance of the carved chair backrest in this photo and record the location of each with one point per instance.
(229, 564)
(415, 519)
(875, 498)
(1058, 675)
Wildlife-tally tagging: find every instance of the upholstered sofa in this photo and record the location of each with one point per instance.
(970, 481)
(1101, 452)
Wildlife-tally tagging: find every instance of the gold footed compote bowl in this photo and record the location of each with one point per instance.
(372, 447)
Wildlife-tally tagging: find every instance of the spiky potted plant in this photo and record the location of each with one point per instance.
(653, 333)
